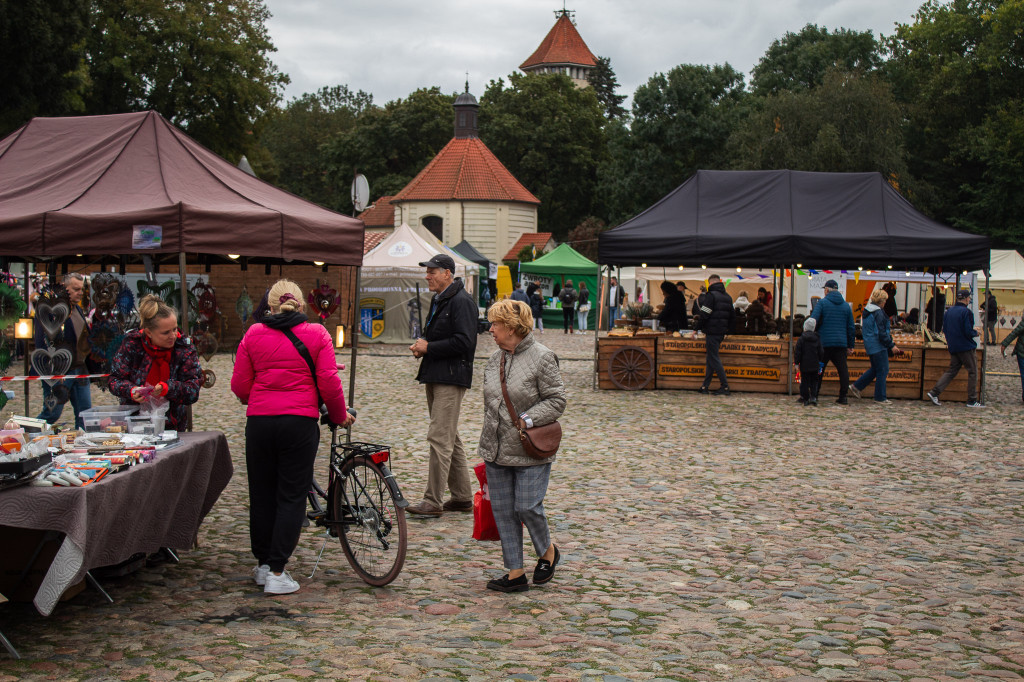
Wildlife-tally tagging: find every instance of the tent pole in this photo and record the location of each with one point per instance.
(984, 333)
(183, 283)
(792, 315)
(26, 342)
(354, 336)
(597, 323)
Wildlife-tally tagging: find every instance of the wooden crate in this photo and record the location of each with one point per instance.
(903, 382)
(606, 348)
(936, 362)
(752, 364)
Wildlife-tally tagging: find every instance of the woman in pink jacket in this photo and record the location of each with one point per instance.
(281, 432)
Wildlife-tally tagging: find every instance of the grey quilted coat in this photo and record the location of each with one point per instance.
(534, 386)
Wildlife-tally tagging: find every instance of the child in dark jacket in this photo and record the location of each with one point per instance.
(537, 308)
(807, 355)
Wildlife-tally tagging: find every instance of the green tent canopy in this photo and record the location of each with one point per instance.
(559, 265)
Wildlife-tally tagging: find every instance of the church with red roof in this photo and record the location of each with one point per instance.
(562, 51)
(466, 193)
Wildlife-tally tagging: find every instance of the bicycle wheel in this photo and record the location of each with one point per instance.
(371, 526)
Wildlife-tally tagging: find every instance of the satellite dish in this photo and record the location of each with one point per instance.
(360, 192)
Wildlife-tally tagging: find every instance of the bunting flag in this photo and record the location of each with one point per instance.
(856, 277)
(801, 272)
(828, 272)
(813, 271)
(727, 281)
(787, 272)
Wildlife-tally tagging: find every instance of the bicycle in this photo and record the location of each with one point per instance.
(365, 509)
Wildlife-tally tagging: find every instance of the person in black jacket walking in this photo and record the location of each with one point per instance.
(446, 352)
(715, 320)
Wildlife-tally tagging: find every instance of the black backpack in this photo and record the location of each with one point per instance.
(567, 297)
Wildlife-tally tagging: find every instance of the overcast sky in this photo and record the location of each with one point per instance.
(390, 48)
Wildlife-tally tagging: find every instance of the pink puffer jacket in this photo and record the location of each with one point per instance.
(272, 378)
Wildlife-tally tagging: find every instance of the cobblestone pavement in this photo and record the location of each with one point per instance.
(703, 538)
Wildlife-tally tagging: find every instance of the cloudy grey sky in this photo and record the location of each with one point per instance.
(389, 48)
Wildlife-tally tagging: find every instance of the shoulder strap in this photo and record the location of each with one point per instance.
(304, 352)
(504, 392)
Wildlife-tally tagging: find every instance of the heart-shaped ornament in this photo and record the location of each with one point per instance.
(60, 393)
(46, 361)
(206, 345)
(51, 316)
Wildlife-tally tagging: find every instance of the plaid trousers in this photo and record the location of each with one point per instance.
(517, 499)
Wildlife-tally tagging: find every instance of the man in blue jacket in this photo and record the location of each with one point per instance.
(958, 328)
(835, 327)
(446, 352)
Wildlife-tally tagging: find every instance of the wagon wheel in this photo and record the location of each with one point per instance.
(631, 368)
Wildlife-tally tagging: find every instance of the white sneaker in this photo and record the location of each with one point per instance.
(933, 398)
(280, 584)
(974, 403)
(883, 402)
(853, 390)
(260, 574)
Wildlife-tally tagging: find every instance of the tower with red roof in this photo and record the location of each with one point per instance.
(562, 51)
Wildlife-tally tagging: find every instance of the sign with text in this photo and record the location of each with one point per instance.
(147, 236)
(746, 347)
(697, 372)
(899, 376)
(902, 356)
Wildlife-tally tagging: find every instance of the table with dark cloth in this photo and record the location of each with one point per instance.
(151, 505)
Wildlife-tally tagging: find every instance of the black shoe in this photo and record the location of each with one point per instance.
(503, 584)
(456, 506)
(545, 569)
(813, 401)
(801, 401)
(723, 390)
(703, 389)
(842, 401)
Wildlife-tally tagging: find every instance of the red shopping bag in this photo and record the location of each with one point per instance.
(484, 527)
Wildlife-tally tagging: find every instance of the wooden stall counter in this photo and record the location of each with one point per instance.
(903, 381)
(627, 363)
(752, 363)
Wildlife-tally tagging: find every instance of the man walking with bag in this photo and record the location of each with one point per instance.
(446, 352)
(715, 320)
(958, 328)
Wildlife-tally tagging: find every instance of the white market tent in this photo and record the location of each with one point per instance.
(389, 310)
(1007, 270)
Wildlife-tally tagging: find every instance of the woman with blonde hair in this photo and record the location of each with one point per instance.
(517, 482)
(285, 367)
(878, 345)
(156, 362)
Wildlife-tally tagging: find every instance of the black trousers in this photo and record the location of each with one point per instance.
(279, 455)
(568, 315)
(713, 363)
(837, 356)
(809, 385)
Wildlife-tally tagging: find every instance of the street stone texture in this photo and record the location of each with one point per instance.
(703, 538)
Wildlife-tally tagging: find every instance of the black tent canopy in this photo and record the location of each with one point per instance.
(470, 252)
(783, 217)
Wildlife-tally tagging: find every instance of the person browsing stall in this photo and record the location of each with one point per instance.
(516, 482)
(838, 335)
(446, 371)
(878, 345)
(157, 362)
(282, 393)
(673, 316)
(716, 318)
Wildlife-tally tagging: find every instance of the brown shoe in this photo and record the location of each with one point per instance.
(424, 508)
(453, 505)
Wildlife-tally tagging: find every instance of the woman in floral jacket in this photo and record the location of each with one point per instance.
(155, 361)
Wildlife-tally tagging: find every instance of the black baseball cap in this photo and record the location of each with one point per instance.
(440, 261)
(831, 284)
(963, 294)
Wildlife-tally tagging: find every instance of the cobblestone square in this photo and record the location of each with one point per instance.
(703, 538)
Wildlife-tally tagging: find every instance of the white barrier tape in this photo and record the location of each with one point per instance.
(55, 376)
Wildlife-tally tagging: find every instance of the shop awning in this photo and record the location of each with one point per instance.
(779, 218)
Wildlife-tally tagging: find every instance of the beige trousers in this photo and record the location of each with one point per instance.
(448, 465)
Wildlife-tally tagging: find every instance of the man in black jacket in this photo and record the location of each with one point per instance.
(446, 351)
(715, 320)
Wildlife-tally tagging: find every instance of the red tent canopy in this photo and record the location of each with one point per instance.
(85, 185)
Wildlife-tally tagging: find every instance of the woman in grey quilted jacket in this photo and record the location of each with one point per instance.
(517, 482)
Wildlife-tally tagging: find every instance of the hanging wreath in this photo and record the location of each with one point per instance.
(324, 300)
(12, 305)
(244, 305)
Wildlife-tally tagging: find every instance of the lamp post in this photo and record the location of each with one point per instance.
(23, 331)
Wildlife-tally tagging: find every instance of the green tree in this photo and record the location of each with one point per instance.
(681, 122)
(959, 70)
(294, 136)
(203, 64)
(42, 50)
(798, 61)
(390, 144)
(583, 237)
(602, 79)
(550, 136)
(850, 123)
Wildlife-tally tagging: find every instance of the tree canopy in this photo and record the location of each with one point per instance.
(550, 136)
(602, 79)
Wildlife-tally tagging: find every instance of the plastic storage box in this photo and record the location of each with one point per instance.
(146, 424)
(108, 418)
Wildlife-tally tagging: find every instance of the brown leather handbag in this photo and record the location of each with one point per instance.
(540, 442)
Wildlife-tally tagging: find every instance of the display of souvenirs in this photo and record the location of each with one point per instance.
(324, 300)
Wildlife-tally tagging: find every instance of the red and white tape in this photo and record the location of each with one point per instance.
(56, 377)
